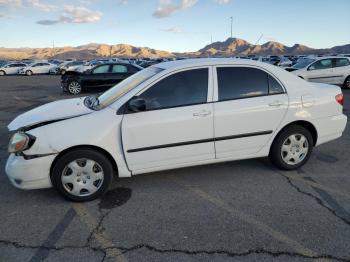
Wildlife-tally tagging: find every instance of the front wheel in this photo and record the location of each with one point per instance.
(74, 87)
(29, 72)
(82, 175)
(347, 83)
(292, 148)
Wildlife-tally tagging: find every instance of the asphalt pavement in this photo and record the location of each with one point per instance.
(237, 211)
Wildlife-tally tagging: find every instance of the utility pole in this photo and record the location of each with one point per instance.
(53, 48)
(231, 25)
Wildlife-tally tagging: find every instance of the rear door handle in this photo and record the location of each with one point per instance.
(202, 114)
(276, 104)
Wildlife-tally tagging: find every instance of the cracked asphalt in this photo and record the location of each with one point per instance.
(236, 211)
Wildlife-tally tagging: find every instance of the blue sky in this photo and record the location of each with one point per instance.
(172, 25)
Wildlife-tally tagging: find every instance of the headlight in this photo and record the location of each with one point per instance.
(20, 142)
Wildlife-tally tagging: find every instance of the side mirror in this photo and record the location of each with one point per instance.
(88, 72)
(311, 68)
(137, 104)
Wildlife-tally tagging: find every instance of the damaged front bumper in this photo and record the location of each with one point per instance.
(29, 174)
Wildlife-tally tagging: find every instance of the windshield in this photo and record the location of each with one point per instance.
(303, 63)
(124, 87)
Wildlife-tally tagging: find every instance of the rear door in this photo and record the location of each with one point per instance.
(321, 71)
(176, 129)
(13, 69)
(250, 106)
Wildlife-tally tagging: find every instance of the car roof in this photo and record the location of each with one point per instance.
(211, 62)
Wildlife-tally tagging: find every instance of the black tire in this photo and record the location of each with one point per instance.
(61, 164)
(2, 73)
(29, 73)
(74, 90)
(276, 148)
(346, 84)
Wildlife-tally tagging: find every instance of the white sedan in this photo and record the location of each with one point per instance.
(11, 68)
(329, 70)
(172, 115)
(37, 68)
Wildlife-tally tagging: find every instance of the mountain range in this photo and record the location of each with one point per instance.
(230, 47)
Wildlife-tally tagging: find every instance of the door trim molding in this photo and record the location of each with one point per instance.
(200, 141)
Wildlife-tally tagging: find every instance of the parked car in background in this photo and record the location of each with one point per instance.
(173, 115)
(101, 76)
(301, 63)
(330, 70)
(88, 65)
(70, 66)
(11, 68)
(37, 68)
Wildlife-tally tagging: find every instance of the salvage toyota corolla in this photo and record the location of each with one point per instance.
(171, 115)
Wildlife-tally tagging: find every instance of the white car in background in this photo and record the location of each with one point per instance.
(329, 70)
(172, 115)
(37, 68)
(70, 66)
(11, 68)
(88, 66)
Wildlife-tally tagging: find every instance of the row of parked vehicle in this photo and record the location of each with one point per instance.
(79, 76)
(60, 67)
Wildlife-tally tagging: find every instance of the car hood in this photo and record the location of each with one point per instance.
(48, 113)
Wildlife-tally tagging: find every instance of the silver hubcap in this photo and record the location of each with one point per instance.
(82, 177)
(294, 149)
(74, 88)
(2, 73)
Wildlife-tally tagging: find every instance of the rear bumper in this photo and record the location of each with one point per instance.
(29, 174)
(330, 128)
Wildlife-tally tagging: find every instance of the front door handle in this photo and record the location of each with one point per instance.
(276, 104)
(202, 114)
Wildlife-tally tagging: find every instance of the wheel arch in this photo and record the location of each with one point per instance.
(89, 147)
(306, 124)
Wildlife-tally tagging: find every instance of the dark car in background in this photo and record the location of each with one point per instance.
(102, 76)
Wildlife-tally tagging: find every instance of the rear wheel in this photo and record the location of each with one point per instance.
(2, 73)
(82, 175)
(29, 72)
(292, 148)
(74, 87)
(347, 83)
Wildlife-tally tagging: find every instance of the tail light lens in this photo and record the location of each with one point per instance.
(340, 99)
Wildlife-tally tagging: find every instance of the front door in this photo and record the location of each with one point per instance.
(97, 77)
(176, 128)
(251, 105)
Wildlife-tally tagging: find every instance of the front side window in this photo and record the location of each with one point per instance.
(180, 89)
(241, 82)
(119, 69)
(321, 64)
(339, 62)
(101, 69)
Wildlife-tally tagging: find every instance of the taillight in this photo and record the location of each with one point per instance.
(340, 99)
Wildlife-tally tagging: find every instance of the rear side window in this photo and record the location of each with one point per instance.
(180, 89)
(339, 62)
(241, 82)
(274, 86)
